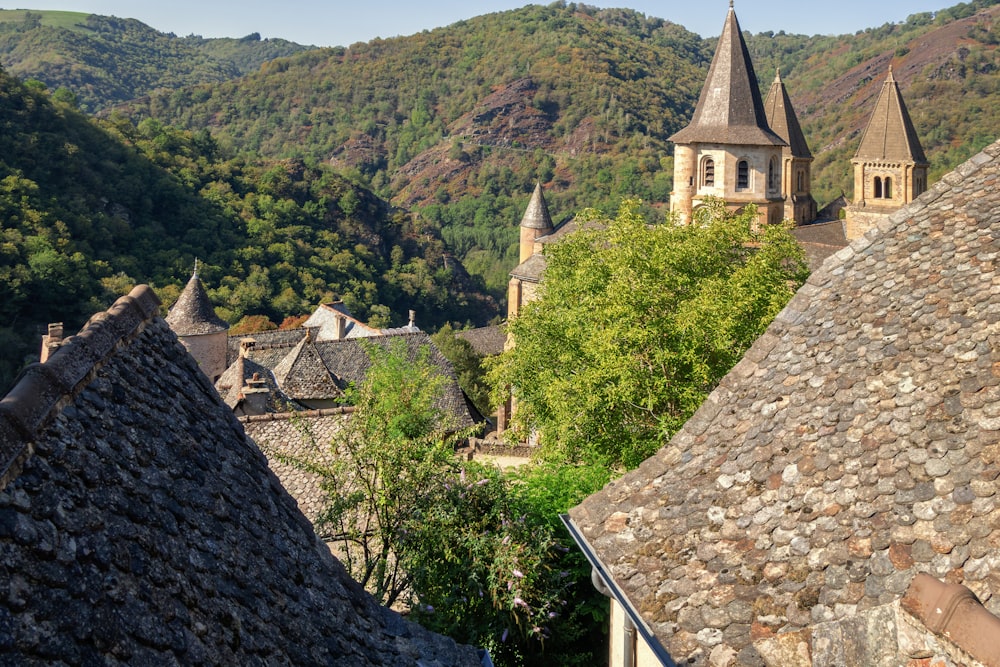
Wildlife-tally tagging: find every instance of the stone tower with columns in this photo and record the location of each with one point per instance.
(728, 150)
(796, 159)
(890, 168)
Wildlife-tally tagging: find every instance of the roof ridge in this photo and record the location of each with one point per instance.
(42, 390)
(821, 276)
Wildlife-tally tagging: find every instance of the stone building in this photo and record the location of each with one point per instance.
(199, 329)
(139, 526)
(811, 510)
(728, 150)
(890, 169)
(796, 159)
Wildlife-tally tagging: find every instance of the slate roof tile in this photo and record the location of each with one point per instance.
(846, 452)
(138, 525)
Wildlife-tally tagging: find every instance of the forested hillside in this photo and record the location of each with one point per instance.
(104, 60)
(459, 122)
(88, 210)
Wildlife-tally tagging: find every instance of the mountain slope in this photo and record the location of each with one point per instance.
(88, 211)
(105, 60)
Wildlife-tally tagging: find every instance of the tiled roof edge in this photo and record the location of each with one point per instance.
(822, 276)
(305, 414)
(41, 391)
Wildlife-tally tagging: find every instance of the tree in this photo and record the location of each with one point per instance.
(467, 364)
(390, 456)
(635, 324)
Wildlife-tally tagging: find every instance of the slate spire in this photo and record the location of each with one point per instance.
(536, 216)
(193, 313)
(782, 120)
(730, 109)
(890, 135)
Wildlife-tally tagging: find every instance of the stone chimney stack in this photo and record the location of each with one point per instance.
(413, 319)
(246, 346)
(255, 395)
(51, 341)
(340, 330)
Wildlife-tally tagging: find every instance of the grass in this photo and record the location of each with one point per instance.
(69, 20)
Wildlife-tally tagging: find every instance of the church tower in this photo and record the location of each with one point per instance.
(536, 224)
(728, 150)
(796, 160)
(890, 168)
(199, 329)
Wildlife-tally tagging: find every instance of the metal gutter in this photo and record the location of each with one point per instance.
(611, 590)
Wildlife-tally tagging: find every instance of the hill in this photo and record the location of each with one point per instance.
(104, 60)
(459, 122)
(91, 209)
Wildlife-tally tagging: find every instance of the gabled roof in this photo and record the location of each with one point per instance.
(890, 134)
(856, 444)
(485, 341)
(138, 525)
(536, 216)
(782, 120)
(730, 110)
(302, 375)
(193, 313)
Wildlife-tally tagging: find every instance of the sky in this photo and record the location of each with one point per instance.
(340, 23)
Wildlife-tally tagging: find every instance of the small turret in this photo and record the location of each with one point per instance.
(535, 224)
(199, 329)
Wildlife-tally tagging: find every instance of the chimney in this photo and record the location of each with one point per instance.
(51, 341)
(413, 319)
(340, 328)
(246, 347)
(255, 395)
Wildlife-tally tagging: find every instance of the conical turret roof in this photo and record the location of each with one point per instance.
(890, 134)
(730, 110)
(536, 216)
(193, 314)
(782, 120)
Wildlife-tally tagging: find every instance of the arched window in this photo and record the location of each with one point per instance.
(742, 175)
(708, 173)
(801, 178)
(888, 188)
(878, 187)
(772, 175)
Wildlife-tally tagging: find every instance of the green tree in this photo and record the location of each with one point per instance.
(636, 323)
(467, 364)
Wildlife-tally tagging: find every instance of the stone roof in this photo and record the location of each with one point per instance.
(730, 109)
(193, 314)
(536, 216)
(322, 369)
(856, 444)
(782, 120)
(890, 135)
(138, 525)
(485, 341)
(530, 269)
(820, 240)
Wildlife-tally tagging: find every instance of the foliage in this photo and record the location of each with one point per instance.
(87, 210)
(103, 60)
(467, 364)
(635, 324)
(390, 457)
(492, 566)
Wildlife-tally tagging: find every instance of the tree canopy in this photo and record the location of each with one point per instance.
(636, 323)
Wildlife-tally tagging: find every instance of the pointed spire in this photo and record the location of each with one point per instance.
(730, 110)
(890, 134)
(193, 313)
(782, 120)
(536, 216)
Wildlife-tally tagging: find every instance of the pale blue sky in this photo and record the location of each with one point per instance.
(334, 22)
